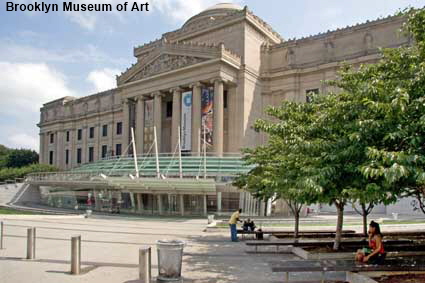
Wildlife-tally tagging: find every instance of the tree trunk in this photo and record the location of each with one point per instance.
(364, 216)
(339, 224)
(297, 224)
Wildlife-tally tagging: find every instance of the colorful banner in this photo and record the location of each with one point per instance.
(207, 100)
(148, 130)
(186, 121)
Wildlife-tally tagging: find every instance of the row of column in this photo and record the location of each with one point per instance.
(60, 144)
(140, 207)
(218, 130)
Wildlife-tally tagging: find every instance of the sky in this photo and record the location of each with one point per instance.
(45, 56)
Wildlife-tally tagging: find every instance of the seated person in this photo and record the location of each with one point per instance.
(248, 225)
(375, 254)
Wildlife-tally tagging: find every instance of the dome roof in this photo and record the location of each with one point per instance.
(229, 6)
(216, 11)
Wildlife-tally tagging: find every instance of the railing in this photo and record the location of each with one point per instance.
(188, 154)
(70, 177)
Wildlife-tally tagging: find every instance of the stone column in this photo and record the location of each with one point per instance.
(140, 124)
(84, 146)
(41, 149)
(160, 211)
(139, 202)
(218, 202)
(125, 126)
(97, 204)
(196, 119)
(59, 150)
(181, 199)
(205, 205)
(132, 202)
(218, 117)
(232, 113)
(110, 137)
(97, 155)
(157, 114)
(175, 123)
(46, 147)
(72, 147)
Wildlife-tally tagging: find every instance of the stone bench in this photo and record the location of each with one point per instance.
(323, 266)
(320, 243)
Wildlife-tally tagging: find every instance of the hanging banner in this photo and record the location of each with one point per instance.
(148, 130)
(207, 100)
(186, 121)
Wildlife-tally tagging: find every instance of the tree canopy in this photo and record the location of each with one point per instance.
(363, 143)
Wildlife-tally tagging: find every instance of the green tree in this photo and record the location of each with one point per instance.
(13, 173)
(21, 157)
(279, 165)
(396, 104)
(4, 151)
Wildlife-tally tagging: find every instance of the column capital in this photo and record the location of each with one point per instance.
(141, 98)
(217, 80)
(197, 84)
(156, 94)
(176, 89)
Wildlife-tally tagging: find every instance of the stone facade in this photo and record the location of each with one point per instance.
(226, 48)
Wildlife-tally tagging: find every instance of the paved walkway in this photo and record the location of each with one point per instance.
(110, 251)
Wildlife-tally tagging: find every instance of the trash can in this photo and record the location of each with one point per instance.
(210, 218)
(170, 256)
(395, 216)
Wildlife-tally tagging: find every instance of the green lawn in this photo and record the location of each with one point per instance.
(4, 210)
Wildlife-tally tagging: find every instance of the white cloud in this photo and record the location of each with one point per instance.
(23, 140)
(103, 79)
(173, 10)
(24, 87)
(12, 51)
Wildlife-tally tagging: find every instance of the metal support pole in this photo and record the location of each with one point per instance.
(145, 265)
(158, 173)
(75, 255)
(180, 153)
(31, 243)
(133, 142)
(1, 235)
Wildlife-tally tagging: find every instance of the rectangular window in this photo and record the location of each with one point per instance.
(104, 150)
(225, 98)
(91, 154)
(79, 155)
(52, 138)
(51, 157)
(119, 128)
(118, 149)
(67, 157)
(67, 136)
(169, 109)
(79, 134)
(309, 94)
(104, 130)
(91, 132)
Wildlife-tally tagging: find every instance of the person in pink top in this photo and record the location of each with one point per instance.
(375, 254)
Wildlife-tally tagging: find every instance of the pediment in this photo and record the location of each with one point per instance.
(165, 63)
(166, 57)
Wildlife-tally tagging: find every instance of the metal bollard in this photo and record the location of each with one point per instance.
(1, 235)
(75, 255)
(145, 265)
(31, 243)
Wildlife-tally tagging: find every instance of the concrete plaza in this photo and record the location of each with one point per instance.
(110, 250)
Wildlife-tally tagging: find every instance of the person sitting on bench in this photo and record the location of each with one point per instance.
(248, 225)
(375, 254)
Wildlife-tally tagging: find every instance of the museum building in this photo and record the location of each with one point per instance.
(188, 103)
